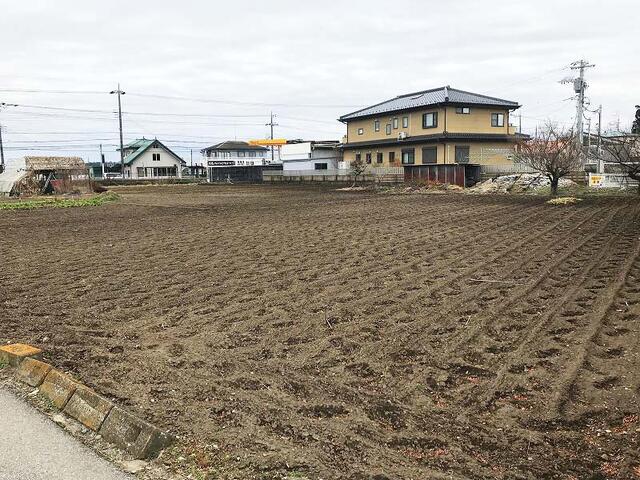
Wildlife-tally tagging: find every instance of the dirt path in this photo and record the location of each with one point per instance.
(309, 333)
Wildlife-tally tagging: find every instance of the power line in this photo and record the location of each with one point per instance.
(182, 98)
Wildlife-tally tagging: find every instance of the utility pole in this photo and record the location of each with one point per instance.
(579, 87)
(271, 124)
(600, 161)
(519, 123)
(119, 92)
(102, 160)
(1, 152)
(3, 105)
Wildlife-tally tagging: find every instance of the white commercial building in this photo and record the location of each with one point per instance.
(233, 153)
(312, 155)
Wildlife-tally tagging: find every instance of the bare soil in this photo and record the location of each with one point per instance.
(309, 333)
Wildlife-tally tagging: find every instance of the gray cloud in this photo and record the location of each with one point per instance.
(341, 54)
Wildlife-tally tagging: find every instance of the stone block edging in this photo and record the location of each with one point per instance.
(139, 438)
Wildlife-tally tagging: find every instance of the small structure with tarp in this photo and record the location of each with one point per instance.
(53, 175)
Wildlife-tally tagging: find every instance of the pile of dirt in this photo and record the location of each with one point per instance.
(517, 183)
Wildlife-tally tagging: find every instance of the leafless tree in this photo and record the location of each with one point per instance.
(554, 152)
(624, 152)
(358, 168)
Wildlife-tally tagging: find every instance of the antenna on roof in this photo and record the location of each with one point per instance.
(446, 93)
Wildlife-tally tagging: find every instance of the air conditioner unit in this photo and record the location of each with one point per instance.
(402, 135)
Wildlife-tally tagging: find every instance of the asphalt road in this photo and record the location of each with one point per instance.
(32, 447)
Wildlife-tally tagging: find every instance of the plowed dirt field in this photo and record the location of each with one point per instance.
(308, 333)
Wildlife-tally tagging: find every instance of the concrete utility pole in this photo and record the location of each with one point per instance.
(3, 105)
(600, 161)
(101, 161)
(119, 92)
(580, 86)
(271, 124)
(519, 123)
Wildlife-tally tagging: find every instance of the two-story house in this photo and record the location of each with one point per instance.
(442, 125)
(146, 158)
(234, 153)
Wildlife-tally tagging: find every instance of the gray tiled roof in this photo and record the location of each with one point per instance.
(442, 95)
(233, 145)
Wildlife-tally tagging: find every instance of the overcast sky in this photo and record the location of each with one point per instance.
(308, 62)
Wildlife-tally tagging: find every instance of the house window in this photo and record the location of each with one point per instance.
(388, 129)
(392, 157)
(405, 122)
(156, 157)
(430, 155)
(395, 123)
(462, 154)
(408, 156)
(360, 131)
(140, 172)
(368, 157)
(376, 125)
(463, 110)
(379, 157)
(430, 120)
(241, 154)
(497, 119)
(252, 154)
(358, 157)
(319, 166)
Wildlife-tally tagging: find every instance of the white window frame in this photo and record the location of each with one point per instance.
(499, 123)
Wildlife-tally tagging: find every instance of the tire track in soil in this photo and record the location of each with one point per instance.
(410, 280)
(440, 324)
(485, 395)
(489, 238)
(505, 302)
(605, 396)
(596, 319)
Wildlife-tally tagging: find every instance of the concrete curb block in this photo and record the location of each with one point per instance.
(139, 438)
(116, 425)
(33, 372)
(58, 388)
(14, 354)
(88, 408)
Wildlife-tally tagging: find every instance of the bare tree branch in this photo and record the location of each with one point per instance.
(624, 152)
(554, 152)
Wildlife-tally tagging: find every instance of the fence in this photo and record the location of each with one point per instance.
(440, 173)
(611, 180)
(371, 175)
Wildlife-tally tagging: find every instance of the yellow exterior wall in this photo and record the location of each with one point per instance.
(478, 121)
(480, 153)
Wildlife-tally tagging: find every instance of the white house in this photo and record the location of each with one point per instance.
(151, 159)
(233, 153)
(313, 155)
